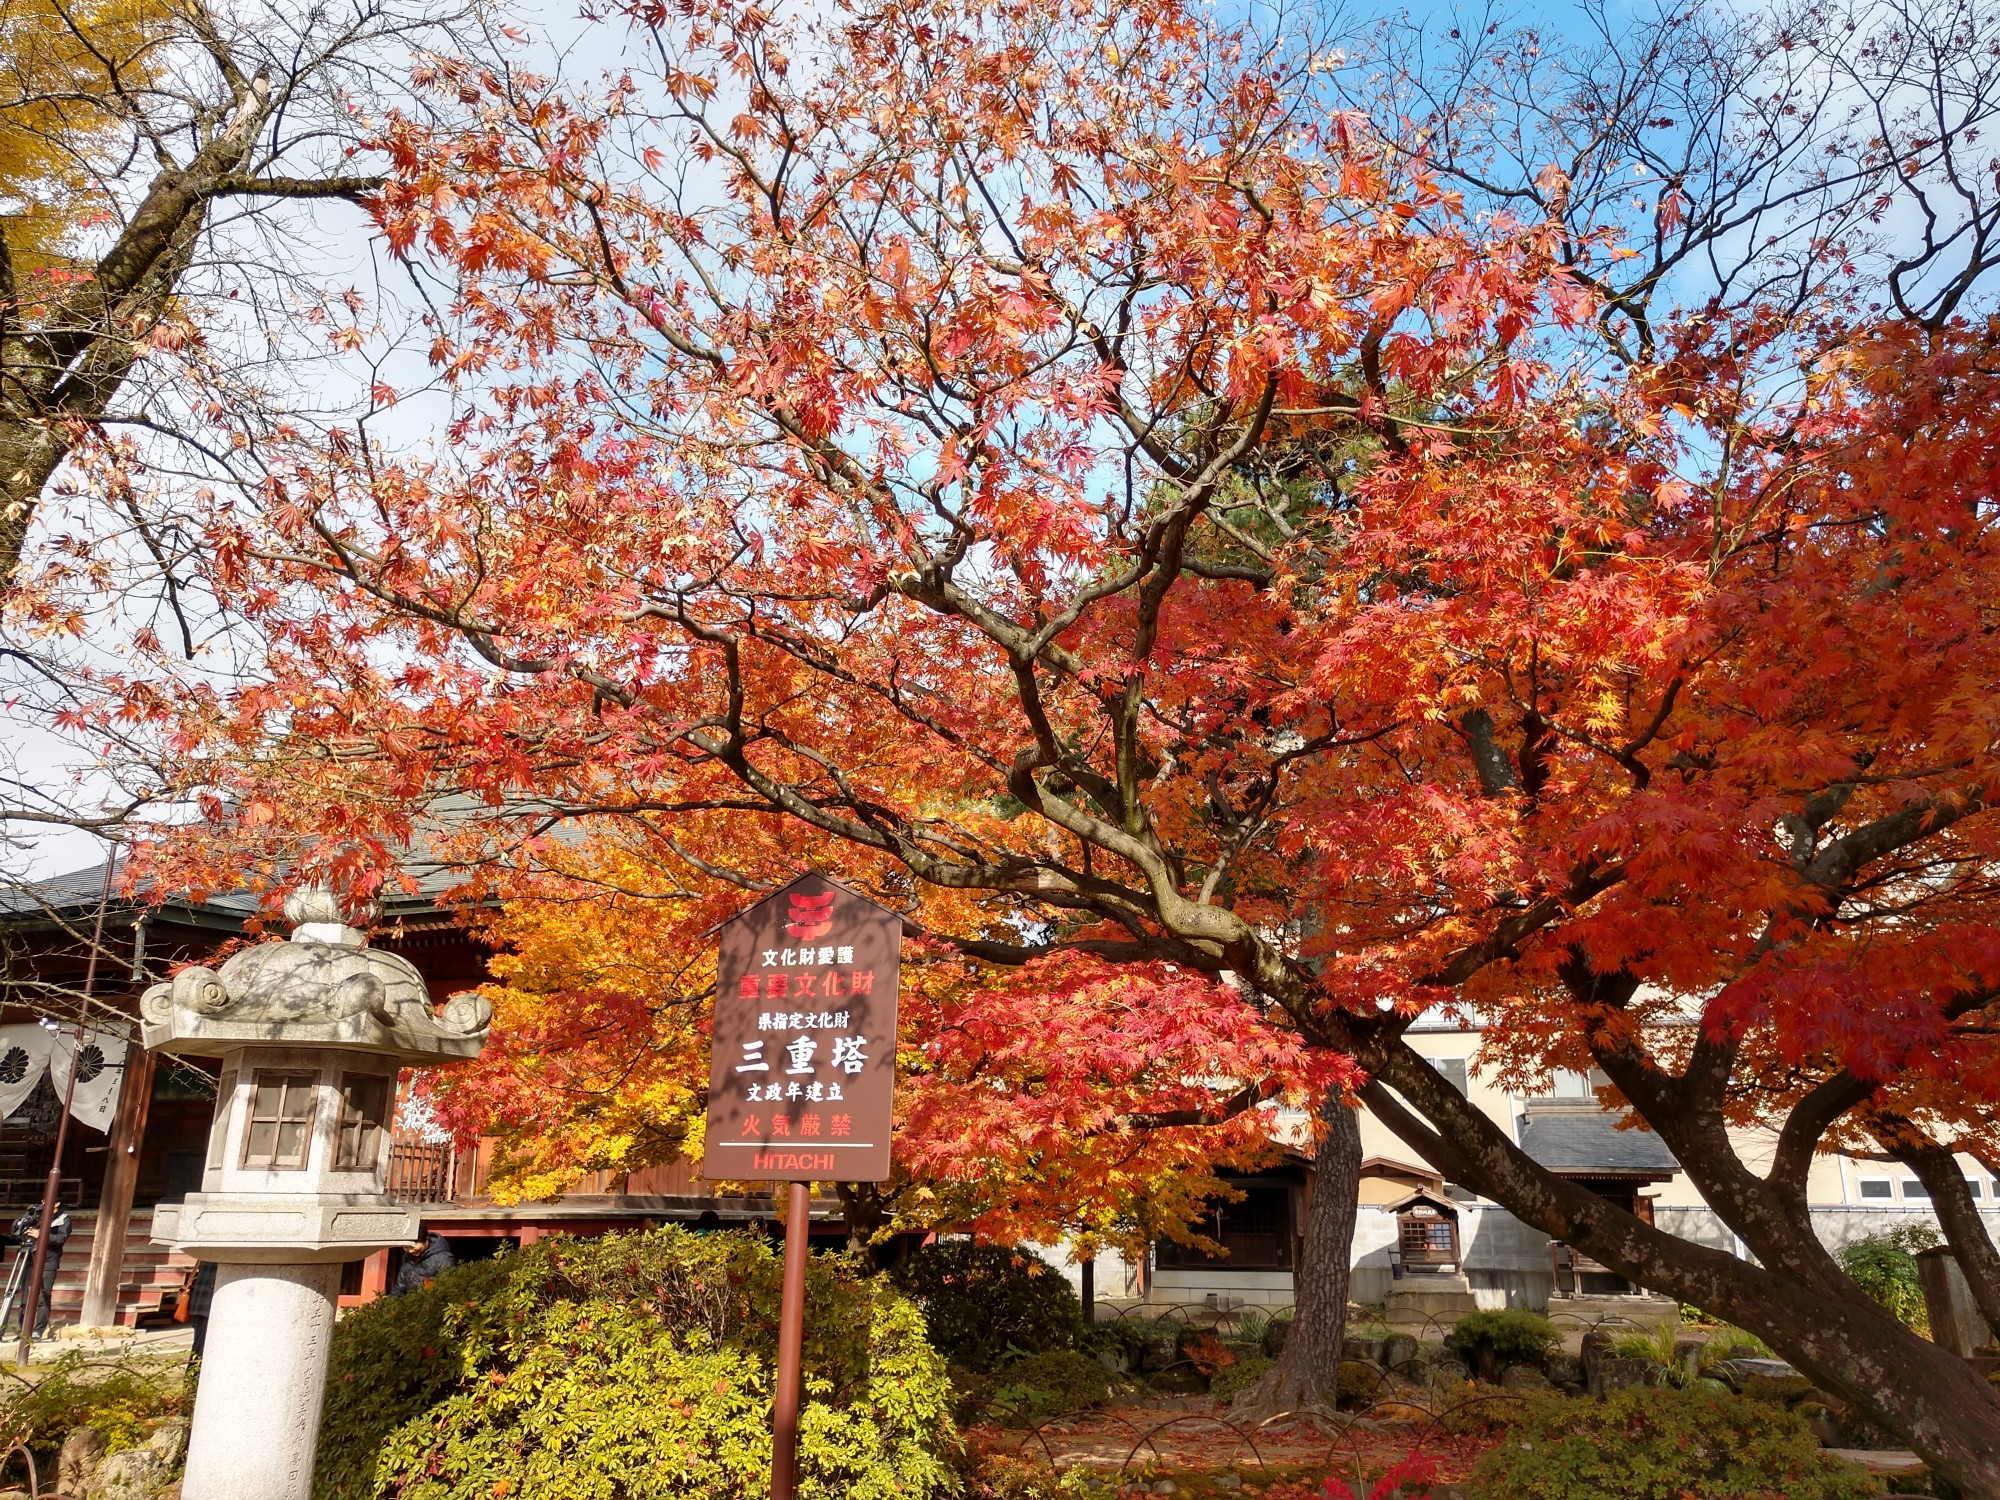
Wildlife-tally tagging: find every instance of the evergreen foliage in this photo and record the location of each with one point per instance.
(1664, 1444)
(1885, 1267)
(630, 1367)
(986, 1304)
(1511, 1336)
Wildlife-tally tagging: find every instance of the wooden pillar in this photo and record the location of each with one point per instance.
(121, 1177)
(374, 1280)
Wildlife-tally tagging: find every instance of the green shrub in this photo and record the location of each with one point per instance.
(124, 1400)
(1885, 1267)
(986, 1304)
(971, 1394)
(630, 1367)
(1512, 1336)
(1252, 1328)
(1002, 1476)
(1046, 1385)
(1664, 1444)
(1357, 1383)
(1233, 1380)
(1124, 1338)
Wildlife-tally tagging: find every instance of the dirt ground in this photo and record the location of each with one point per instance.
(1194, 1441)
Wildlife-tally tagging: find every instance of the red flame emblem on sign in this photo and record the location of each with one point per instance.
(812, 916)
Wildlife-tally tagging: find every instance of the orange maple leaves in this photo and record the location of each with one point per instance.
(1139, 518)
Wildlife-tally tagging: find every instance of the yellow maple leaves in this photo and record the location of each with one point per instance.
(67, 73)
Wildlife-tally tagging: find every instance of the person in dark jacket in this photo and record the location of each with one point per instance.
(27, 1225)
(430, 1261)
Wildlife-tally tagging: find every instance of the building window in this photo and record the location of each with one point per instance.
(1914, 1189)
(1453, 1071)
(218, 1132)
(1972, 1187)
(364, 1111)
(1256, 1232)
(281, 1120)
(1569, 1084)
(1877, 1187)
(1427, 1240)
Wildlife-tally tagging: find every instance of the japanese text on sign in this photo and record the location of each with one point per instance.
(819, 1068)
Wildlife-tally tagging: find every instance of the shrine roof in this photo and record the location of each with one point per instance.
(1581, 1138)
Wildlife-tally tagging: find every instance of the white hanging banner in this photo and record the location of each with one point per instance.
(24, 1057)
(98, 1074)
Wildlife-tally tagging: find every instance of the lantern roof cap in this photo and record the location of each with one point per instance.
(322, 987)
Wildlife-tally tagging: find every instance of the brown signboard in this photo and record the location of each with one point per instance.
(802, 1073)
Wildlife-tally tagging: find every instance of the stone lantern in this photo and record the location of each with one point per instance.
(309, 1035)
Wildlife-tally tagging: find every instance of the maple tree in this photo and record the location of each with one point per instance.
(138, 140)
(174, 177)
(1051, 469)
(1054, 1101)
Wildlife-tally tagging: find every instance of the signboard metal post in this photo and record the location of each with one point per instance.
(802, 1075)
(791, 1349)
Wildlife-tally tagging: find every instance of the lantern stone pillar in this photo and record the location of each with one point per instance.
(309, 1036)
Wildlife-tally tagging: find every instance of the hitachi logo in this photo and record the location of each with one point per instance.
(794, 1161)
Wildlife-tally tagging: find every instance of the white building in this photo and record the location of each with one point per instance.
(1504, 1262)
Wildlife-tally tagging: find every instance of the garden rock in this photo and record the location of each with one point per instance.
(171, 1439)
(1156, 1353)
(1275, 1335)
(1824, 1423)
(1787, 1390)
(1229, 1481)
(1857, 1431)
(1398, 1351)
(81, 1452)
(1596, 1348)
(1363, 1350)
(1736, 1371)
(1614, 1374)
(139, 1473)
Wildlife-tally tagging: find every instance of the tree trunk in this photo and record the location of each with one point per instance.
(1833, 1333)
(1307, 1374)
(862, 1208)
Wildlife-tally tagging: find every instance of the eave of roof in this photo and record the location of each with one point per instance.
(1583, 1139)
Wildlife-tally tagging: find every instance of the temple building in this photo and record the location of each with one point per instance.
(139, 1135)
